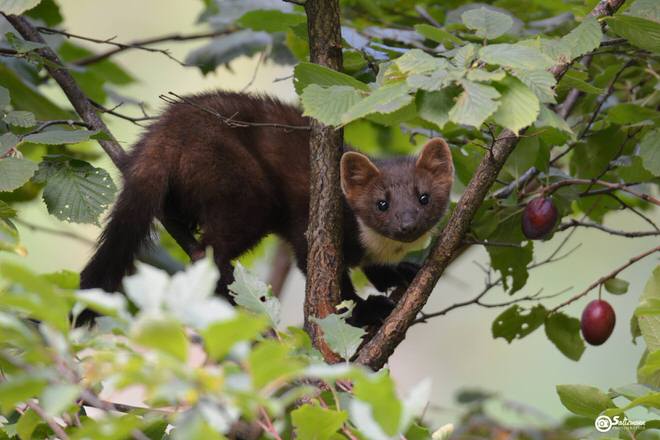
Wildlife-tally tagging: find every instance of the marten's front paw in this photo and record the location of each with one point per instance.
(408, 271)
(371, 311)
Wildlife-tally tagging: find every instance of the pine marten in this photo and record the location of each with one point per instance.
(238, 184)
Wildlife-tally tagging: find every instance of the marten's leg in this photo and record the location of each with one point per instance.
(230, 234)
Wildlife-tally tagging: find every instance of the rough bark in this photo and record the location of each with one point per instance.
(376, 352)
(324, 233)
(87, 113)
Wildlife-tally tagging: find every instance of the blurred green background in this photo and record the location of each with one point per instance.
(457, 350)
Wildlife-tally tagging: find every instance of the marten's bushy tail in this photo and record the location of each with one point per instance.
(129, 225)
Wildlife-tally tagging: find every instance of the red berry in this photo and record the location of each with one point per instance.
(539, 218)
(598, 321)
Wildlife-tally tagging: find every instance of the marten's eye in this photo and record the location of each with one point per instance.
(383, 205)
(424, 199)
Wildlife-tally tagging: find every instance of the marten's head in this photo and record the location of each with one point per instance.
(402, 198)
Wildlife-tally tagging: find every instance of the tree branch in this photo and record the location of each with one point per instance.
(324, 232)
(87, 113)
(137, 44)
(609, 185)
(629, 234)
(604, 278)
(57, 429)
(376, 352)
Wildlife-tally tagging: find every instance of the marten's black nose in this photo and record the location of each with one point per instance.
(407, 223)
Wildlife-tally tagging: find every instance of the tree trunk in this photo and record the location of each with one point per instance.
(324, 233)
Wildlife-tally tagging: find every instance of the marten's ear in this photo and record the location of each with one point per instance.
(356, 172)
(436, 158)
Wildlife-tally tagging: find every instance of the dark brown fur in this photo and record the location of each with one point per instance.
(239, 184)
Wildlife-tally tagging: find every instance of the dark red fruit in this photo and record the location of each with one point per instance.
(598, 321)
(539, 217)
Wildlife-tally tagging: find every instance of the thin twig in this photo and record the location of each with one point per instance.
(491, 243)
(230, 121)
(609, 276)
(426, 16)
(635, 211)
(53, 231)
(135, 120)
(137, 44)
(599, 106)
(262, 58)
(57, 429)
(613, 186)
(490, 284)
(110, 41)
(573, 223)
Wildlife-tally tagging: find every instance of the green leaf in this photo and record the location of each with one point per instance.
(616, 286)
(628, 113)
(15, 172)
(639, 31)
(20, 45)
(511, 262)
(518, 107)
(310, 73)
(9, 240)
(6, 211)
(436, 81)
(564, 332)
(487, 23)
(164, 335)
(48, 12)
(434, 107)
(485, 75)
(651, 400)
(438, 35)
(27, 423)
(475, 104)
(315, 423)
(650, 367)
(270, 20)
(576, 80)
(220, 337)
(19, 388)
(648, 312)
(254, 295)
(58, 137)
(416, 61)
(379, 393)
(4, 98)
(75, 190)
(328, 104)
(386, 99)
(515, 56)
(465, 55)
(20, 118)
(25, 97)
(649, 9)
(516, 323)
(57, 398)
(7, 142)
(271, 360)
(649, 151)
(584, 400)
(341, 337)
(548, 118)
(541, 82)
(17, 7)
(583, 39)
